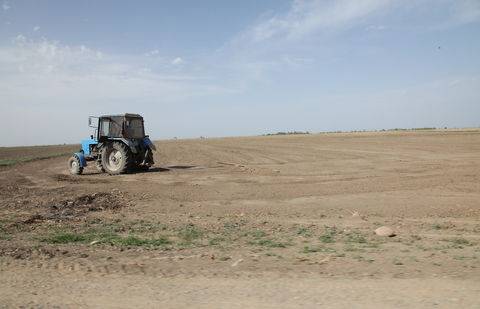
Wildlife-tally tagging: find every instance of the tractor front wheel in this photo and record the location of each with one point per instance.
(74, 166)
(116, 158)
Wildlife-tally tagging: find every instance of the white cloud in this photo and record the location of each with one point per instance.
(276, 42)
(177, 61)
(283, 41)
(152, 53)
(307, 17)
(36, 28)
(6, 6)
(466, 11)
(375, 28)
(454, 82)
(55, 73)
(308, 28)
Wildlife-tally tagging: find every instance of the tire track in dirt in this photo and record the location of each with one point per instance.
(155, 267)
(84, 268)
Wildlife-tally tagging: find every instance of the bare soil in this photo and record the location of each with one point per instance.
(277, 221)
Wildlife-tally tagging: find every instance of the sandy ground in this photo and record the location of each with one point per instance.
(254, 222)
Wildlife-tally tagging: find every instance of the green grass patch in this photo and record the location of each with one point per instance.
(258, 234)
(132, 227)
(65, 238)
(134, 241)
(62, 237)
(190, 233)
(352, 248)
(269, 243)
(457, 243)
(328, 235)
(303, 231)
(260, 240)
(8, 162)
(4, 235)
(314, 249)
(355, 237)
(3, 230)
(215, 241)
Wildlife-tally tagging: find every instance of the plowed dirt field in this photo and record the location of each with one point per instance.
(249, 222)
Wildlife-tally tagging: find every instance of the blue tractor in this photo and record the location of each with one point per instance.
(120, 146)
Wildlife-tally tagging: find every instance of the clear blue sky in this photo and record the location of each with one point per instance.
(220, 68)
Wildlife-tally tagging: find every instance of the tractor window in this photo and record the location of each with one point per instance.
(134, 128)
(105, 127)
(111, 127)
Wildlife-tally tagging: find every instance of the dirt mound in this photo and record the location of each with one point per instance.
(80, 206)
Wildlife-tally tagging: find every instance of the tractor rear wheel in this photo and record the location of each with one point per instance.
(74, 166)
(116, 158)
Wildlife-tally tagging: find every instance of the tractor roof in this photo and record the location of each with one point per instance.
(126, 115)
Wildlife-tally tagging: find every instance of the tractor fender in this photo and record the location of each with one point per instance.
(127, 142)
(148, 143)
(81, 158)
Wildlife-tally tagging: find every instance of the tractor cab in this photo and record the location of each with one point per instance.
(128, 126)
